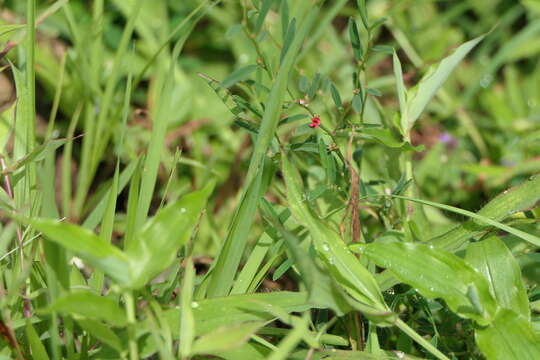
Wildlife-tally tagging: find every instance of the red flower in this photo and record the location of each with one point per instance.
(315, 122)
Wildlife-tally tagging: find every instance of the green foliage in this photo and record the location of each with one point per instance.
(269, 179)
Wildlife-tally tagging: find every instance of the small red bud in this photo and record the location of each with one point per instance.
(315, 122)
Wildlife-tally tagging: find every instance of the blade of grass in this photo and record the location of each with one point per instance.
(521, 234)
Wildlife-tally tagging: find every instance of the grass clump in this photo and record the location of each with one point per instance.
(269, 179)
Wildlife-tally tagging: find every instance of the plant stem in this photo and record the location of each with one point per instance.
(420, 340)
(130, 312)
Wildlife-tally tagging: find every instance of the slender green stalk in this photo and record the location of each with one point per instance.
(420, 340)
(132, 321)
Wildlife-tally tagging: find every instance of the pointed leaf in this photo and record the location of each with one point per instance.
(101, 332)
(509, 337)
(156, 247)
(434, 79)
(401, 92)
(89, 305)
(239, 74)
(89, 247)
(225, 338)
(345, 267)
(436, 274)
(492, 258)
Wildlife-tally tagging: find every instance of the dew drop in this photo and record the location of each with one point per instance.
(486, 80)
(194, 304)
(182, 210)
(326, 247)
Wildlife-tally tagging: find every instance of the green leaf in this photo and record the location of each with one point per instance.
(509, 337)
(239, 74)
(434, 79)
(511, 201)
(356, 43)
(357, 103)
(401, 91)
(156, 247)
(340, 262)
(436, 274)
(89, 247)
(385, 137)
(363, 12)
(265, 7)
(314, 86)
(289, 37)
(385, 49)
(101, 332)
(521, 234)
(282, 269)
(336, 97)
(90, 305)
(211, 314)
(284, 18)
(492, 258)
(36, 345)
(323, 290)
(187, 320)
(225, 338)
(7, 28)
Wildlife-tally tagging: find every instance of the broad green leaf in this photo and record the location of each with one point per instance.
(250, 350)
(492, 258)
(101, 332)
(36, 345)
(239, 74)
(90, 305)
(89, 247)
(434, 79)
(155, 247)
(211, 314)
(509, 337)
(340, 262)
(225, 338)
(436, 274)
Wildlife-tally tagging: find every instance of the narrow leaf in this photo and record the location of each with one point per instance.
(434, 79)
(156, 247)
(89, 305)
(239, 74)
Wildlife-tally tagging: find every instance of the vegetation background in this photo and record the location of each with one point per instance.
(168, 191)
